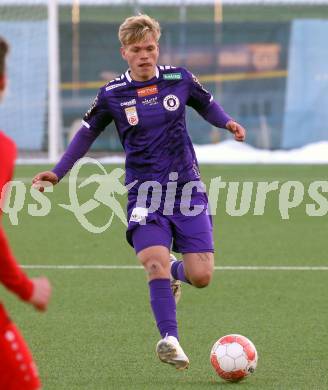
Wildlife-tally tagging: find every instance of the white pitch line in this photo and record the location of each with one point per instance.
(272, 268)
(225, 268)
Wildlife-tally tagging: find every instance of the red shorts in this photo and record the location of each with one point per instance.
(17, 368)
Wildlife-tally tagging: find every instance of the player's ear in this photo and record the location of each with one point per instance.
(122, 50)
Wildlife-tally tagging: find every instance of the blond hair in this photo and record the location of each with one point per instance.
(135, 28)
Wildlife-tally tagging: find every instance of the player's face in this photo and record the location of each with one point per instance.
(142, 58)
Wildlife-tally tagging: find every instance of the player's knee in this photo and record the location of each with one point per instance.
(155, 268)
(201, 280)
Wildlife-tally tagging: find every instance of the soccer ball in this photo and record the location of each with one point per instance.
(234, 357)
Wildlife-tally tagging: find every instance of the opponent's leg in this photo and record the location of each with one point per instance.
(17, 368)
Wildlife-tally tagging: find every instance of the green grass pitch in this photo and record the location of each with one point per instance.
(99, 333)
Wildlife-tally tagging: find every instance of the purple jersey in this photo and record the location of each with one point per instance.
(150, 120)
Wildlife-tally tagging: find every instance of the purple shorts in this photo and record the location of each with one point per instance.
(180, 232)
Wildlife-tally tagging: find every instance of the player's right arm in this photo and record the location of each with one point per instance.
(36, 291)
(93, 123)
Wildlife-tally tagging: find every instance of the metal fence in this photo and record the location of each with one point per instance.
(263, 63)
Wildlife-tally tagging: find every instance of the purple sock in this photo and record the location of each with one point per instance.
(164, 308)
(177, 271)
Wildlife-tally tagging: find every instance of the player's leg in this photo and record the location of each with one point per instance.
(195, 269)
(155, 260)
(175, 283)
(193, 237)
(17, 368)
(152, 243)
(178, 271)
(198, 268)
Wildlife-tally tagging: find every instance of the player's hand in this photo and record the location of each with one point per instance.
(236, 129)
(40, 178)
(41, 293)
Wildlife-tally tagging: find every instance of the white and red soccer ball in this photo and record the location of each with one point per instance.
(234, 357)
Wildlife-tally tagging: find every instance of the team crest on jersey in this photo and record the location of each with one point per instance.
(171, 102)
(132, 115)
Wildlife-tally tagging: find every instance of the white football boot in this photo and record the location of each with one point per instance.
(169, 351)
(175, 284)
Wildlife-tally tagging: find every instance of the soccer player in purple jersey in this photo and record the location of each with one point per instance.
(147, 104)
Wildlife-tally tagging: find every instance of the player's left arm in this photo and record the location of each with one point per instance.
(237, 130)
(202, 101)
(215, 115)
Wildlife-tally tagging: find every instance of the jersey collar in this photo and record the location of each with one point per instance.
(128, 77)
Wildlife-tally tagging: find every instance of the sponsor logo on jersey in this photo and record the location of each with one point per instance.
(131, 102)
(147, 91)
(132, 115)
(172, 76)
(171, 102)
(150, 101)
(115, 86)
